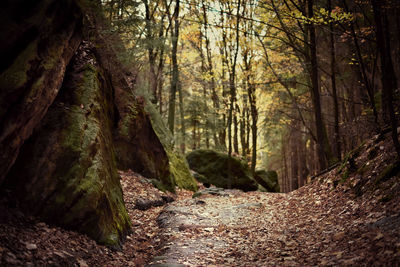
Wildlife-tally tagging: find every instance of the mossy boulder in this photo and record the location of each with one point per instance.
(221, 170)
(145, 145)
(137, 145)
(178, 166)
(66, 172)
(143, 142)
(37, 41)
(268, 180)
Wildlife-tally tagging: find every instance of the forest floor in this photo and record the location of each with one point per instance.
(348, 216)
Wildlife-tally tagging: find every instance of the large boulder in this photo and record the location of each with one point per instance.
(178, 166)
(62, 120)
(268, 180)
(145, 145)
(221, 170)
(37, 41)
(143, 142)
(66, 172)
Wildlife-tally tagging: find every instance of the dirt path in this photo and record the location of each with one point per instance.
(316, 225)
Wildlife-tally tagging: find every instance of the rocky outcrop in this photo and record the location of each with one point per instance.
(68, 115)
(37, 41)
(66, 172)
(178, 166)
(143, 142)
(268, 180)
(220, 170)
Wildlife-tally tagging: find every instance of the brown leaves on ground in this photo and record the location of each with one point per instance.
(349, 216)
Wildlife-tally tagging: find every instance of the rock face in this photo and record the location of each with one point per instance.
(178, 166)
(268, 180)
(68, 115)
(145, 145)
(138, 147)
(220, 170)
(37, 41)
(66, 172)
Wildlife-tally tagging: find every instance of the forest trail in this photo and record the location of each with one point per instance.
(347, 216)
(315, 225)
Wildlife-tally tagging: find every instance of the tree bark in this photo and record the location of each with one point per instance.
(175, 70)
(388, 76)
(324, 151)
(336, 135)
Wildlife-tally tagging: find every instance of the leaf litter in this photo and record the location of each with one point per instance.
(348, 216)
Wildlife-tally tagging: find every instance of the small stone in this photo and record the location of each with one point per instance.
(82, 263)
(30, 246)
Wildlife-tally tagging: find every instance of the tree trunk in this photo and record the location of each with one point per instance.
(151, 53)
(324, 151)
(235, 130)
(182, 117)
(364, 77)
(336, 135)
(175, 70)
(212, 85)
(389, 82)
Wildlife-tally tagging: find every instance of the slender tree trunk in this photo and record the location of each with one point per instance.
(235, 130)
(254, 118)
(151, 53)
(212, 85)
(175, 70)
(182, 118)
(232, 77)
(365, 79)
(194, 133)
(324, 150)
(285, 174)
(389, 81)
(243, 125)
(336, 135)
(247, 131)
(223, 129)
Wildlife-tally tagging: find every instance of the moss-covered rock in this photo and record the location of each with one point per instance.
(143, 141)
(178, 166)
(137, 145)
(37, 41)
(268, 180)
(66, 172)
(221, 170)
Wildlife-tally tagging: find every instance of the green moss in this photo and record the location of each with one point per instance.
(180, 172)
(79, 183)
(268, 180)
(128, 119)
(345, 175)
(390, 171)
(221, 170)
(161, 186)
(363, 169)
(16, 76)
(344, 163)
(178, 167)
